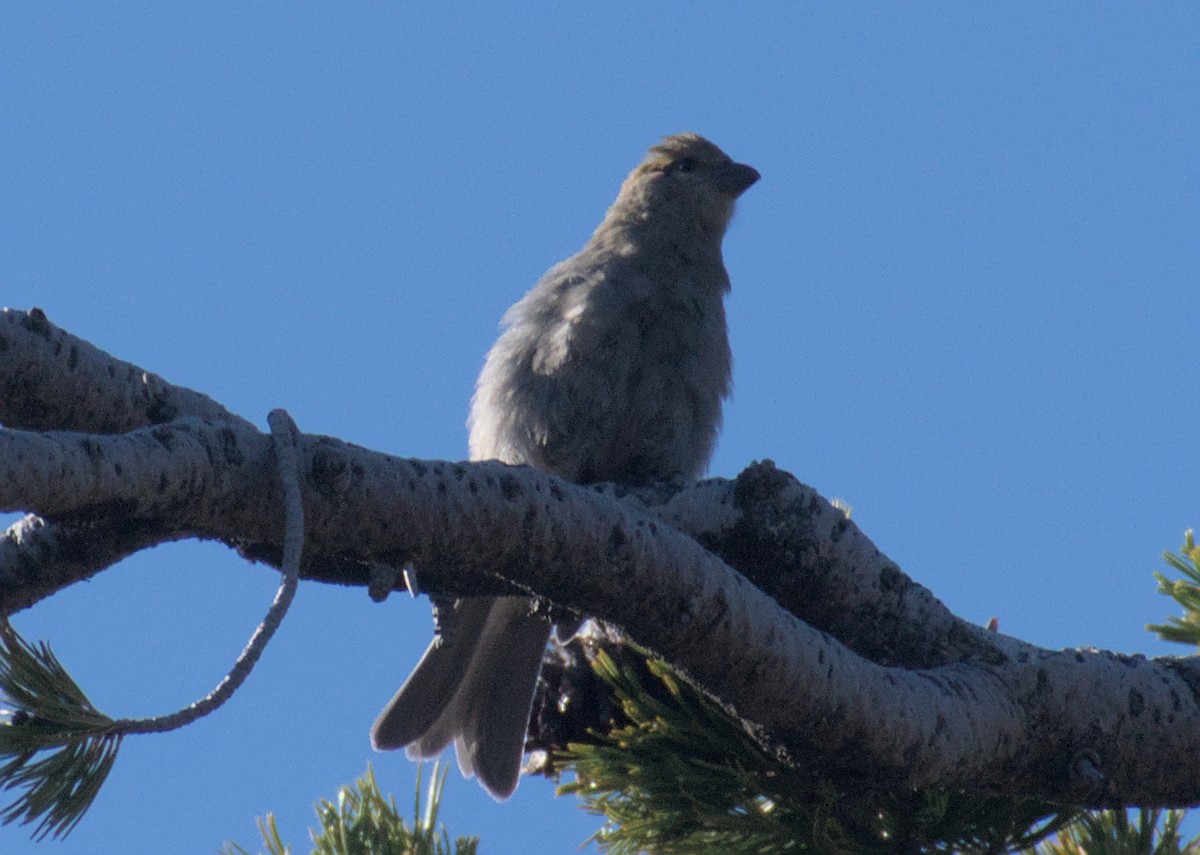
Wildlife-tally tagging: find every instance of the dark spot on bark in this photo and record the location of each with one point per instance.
(37, 322)
(91, 448)
(757, 483)
(556, 492)
(510, 487)
(1136, 703)
(473, 486)
(326, 466)
(616, 541)
(231, 450)
(164, 437)
(890, 578)
(73, 357)
(161, 410)
(103, 512)
(331, 472)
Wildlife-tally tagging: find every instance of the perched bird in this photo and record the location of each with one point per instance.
(612, 368)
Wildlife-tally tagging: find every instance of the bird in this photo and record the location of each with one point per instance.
(612, 368)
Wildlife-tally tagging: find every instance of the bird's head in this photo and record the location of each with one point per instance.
(684, 182)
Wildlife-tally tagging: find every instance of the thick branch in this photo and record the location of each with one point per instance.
(811, 652)
(968, 724)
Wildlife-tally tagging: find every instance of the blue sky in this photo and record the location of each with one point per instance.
(964, 300)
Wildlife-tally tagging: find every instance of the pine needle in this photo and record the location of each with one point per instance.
(683, 776)
(1185, 591)
(48, 712)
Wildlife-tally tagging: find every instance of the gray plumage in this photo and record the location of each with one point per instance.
(612, 368)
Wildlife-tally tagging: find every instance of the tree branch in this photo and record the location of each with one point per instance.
(820, 641)
(51, 380)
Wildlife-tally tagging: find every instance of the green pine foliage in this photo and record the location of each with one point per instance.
(1185, 591)
(682, 776)
(678, 775)
(362, 821)
(1110, 832)
(56, 749)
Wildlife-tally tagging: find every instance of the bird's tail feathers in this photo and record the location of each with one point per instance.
(473, 687)
(411, 716)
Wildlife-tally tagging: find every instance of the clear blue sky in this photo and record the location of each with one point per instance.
(965, 297)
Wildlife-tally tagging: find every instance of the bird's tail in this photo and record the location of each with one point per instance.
(474, 687)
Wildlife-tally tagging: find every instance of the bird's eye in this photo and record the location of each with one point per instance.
(685, 164)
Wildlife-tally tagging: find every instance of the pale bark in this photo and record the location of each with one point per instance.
(787, 614)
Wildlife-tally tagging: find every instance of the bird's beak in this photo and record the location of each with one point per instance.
(736, 178)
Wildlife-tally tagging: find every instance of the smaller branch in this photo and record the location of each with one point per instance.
(38, 558)
(818, 564)
(51, 712)
(283, 435)
(52, 380)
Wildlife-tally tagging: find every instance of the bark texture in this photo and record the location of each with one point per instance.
(759, 590)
